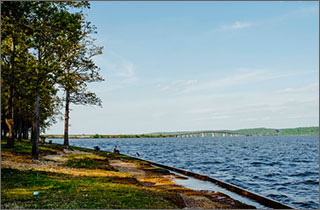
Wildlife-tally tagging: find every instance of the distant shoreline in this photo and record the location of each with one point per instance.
(300, 131)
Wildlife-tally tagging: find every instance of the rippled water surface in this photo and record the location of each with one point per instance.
(283, 168)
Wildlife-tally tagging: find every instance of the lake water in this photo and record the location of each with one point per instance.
(283, 168)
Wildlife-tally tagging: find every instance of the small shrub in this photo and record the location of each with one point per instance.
(95, 136)
(82, 163)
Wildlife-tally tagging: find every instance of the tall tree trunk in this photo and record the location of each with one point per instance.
(3, 125)
(66, 121)
(20, 120)
(10, 139)
(10, 117)
(16, 128)
(2, 130)
(36, 129)
(32, 132)
(25, 127)
(20, 129)
(5, 129)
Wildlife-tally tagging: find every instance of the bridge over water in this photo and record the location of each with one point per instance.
(205, 134)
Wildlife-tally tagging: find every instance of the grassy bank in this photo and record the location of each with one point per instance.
(58, 191)
(83, 178)
(92, 183)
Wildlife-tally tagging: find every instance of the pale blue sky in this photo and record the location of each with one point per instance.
(173, 66)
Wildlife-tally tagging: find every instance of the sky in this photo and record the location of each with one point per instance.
(186, 66)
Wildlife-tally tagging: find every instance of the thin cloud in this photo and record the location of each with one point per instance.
(177, 85)
(303, 11)
(118, 71)
(241, 78)
(236, 26)
(158, 114)
(227, 81)
(308, 88)
(126, 69)
(213, 118)
(163, 87)
(200, 111)
(122, 68)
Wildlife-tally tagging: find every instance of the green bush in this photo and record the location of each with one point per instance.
(96, 136)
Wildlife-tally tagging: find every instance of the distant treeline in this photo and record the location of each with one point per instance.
(278, 132)
(110, 136)
(246, 132)
(256, 131)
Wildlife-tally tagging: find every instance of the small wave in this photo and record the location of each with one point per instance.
(306, 173)
(300, 161)
(306, 205)
(267, 180)
(256, 163)
(209, 163)
(291, 184)
(273, 174)
(277, 196)
(310, 182)
(254, 184)
(292, 165)
(274, 163)
(282, 188)
(266, 163)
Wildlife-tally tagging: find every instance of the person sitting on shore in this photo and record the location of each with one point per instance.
(115, 150)
(97, 148)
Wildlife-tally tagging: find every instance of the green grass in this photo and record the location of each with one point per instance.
(82, 163)
(24, 147)
(70, 192)
(63, 191)
(77, 161)
(88, 150)
(110, 155)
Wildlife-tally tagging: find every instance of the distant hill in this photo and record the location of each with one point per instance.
(272, 131)
(256, 131)
(207, 133)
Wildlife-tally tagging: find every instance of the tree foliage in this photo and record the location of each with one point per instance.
(76, 53)
(43, 44)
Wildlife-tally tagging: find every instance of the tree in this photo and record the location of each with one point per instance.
(14, 46)
(44, 23)
(77, 51)
(33, 41)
